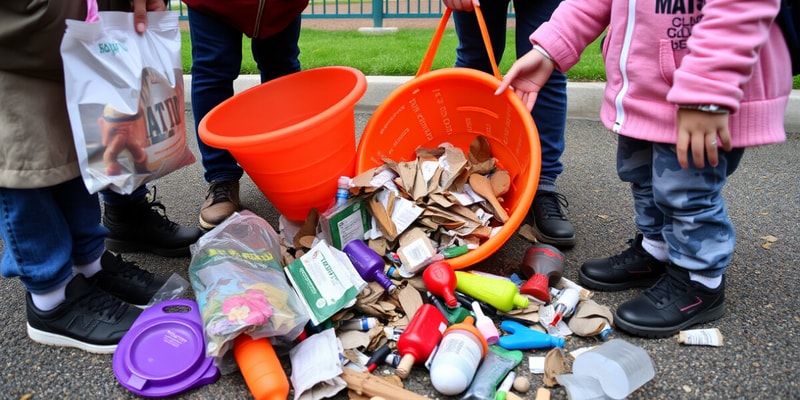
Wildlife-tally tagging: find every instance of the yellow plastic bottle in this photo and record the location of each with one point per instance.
(500, 293)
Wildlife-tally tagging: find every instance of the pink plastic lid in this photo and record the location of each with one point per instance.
(164, 351)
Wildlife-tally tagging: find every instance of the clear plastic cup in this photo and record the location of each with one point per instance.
(619, 366)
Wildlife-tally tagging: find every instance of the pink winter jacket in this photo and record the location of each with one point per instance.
(661, 53)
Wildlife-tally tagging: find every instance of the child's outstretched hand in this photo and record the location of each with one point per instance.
(704, 133)
(527, 76)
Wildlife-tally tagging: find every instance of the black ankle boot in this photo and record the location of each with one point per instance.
(143, 226)
(550, 225)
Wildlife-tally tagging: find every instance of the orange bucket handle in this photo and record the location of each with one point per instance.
(427, 62)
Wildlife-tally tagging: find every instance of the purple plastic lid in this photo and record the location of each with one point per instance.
(164, 351)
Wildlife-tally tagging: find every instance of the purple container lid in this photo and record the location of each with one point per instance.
(164, 351)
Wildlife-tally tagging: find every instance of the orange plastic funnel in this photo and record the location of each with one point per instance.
(294, 135)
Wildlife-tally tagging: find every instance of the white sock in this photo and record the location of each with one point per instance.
(711, 282)
(657, 248)
(88, 270)
(49, 300)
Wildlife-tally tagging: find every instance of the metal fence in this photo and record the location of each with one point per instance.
(377, 10)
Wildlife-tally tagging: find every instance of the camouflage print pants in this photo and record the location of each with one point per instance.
(683, 207)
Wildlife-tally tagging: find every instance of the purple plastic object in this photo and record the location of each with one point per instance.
(368, 263)
(164, 351)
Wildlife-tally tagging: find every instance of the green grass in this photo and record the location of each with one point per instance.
(398, 54)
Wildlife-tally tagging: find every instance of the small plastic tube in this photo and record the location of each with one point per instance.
(485, 324)
(455, 251)
(505, 386)
(358, 324)
(497, 364)
(607, 333)
(343, 190)
(565, 305)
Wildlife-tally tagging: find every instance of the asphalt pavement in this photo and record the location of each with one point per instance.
(761, 325)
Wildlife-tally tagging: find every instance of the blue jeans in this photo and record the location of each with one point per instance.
(217, 62)
(48, 230)
(550, 110)
(682, 207)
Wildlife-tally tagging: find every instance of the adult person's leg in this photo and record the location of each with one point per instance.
(471, 51)
(216, 63)
(278, 54)
(549, 222)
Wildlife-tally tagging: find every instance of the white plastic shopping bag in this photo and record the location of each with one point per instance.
(125, 99)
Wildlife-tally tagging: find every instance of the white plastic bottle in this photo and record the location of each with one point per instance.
(460, 352)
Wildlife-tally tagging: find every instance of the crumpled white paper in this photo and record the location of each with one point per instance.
(316, 366)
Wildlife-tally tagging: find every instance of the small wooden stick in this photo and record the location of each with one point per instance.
(371, 385)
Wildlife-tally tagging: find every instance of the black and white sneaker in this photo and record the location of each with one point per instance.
(89, 319)
(126, 280)
(634, 267)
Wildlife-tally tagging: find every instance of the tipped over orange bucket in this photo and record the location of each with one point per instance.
(294, 135)
(456, 105)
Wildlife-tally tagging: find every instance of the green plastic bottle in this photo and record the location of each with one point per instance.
(500, 293)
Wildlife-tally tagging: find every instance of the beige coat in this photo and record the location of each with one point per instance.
(36, 147)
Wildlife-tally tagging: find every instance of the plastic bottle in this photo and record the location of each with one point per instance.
(543, 266)
(455, 363)
(485, 324)
(368, 263)
(420, 337)
(261, 368)
(343, 190)
(499, 293)
(440, 280)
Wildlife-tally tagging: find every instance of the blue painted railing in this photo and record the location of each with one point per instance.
(377, 10)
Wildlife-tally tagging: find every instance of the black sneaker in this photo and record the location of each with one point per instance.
(549, 223)
(144, 226)
(674, 303)
(89, 319)
(634, 267)
(126, 280)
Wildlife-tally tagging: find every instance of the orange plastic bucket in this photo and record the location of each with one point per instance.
(455, 105)
(294, 135)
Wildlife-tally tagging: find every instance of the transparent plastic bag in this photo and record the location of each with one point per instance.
(240, 286)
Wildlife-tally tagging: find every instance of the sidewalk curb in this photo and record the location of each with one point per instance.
(584, 98)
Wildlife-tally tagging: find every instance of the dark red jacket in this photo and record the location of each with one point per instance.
(255, 18)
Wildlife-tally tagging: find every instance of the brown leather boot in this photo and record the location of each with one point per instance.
(222, 200)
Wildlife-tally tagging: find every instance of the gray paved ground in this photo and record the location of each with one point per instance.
(761, 324)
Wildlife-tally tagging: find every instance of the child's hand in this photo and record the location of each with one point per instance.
(527, 76)
(704, 133)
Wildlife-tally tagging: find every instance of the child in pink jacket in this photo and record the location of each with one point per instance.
(690, 84)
